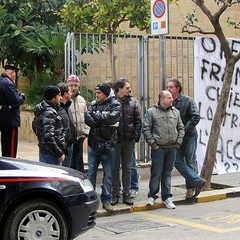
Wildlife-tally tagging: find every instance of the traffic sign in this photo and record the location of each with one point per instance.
(159, 17)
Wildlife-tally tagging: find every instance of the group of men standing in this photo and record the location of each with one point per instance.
(113, 125)
(59, 125)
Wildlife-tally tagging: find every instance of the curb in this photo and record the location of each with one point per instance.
(207, 196)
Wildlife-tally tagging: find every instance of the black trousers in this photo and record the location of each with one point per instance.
(9, 141)
(77, 157)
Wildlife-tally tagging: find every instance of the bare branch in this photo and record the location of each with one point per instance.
(196, 29)
(226, 4)
(201, 5)
(216, 24)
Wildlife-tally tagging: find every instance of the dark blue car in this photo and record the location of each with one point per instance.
(40, 201)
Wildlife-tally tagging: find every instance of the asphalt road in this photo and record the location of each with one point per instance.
(212, 220)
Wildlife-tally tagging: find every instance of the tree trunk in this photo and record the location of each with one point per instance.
(210, 156)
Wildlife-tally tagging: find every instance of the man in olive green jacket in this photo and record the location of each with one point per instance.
(163, 130)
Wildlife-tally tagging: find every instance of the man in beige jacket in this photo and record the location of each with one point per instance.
(78, 108)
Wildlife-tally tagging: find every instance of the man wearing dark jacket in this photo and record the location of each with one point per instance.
(67, 120)
(10, 101)
(102, 118)
(185, 161)
(129, 131)
(48, 127)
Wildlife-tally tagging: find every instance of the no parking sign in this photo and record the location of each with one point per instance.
(159, 17)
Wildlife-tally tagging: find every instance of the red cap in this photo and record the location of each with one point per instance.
(73, 79)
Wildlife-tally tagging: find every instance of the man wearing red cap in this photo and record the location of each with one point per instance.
(10, 101)
(78, 108)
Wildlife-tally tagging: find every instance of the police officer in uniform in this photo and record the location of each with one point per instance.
(10, 100)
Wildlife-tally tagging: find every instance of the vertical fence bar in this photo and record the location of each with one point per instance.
(131, 61)
(73, 56)
(162, 62)
(171, 57)
(141, 92)
(66, 60)
(80, 55)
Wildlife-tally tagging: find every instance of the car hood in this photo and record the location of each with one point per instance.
(21, 168)
(11, 167)
(32, 168)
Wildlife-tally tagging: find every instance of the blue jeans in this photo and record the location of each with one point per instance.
(48, 158)
(94, 160)
(185, 161)
(77, 156)
(161, 169)
(134, 173)
(68, 160)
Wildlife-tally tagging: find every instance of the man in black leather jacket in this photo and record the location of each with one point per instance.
(48, 127)
(67, 120)
(185, 161)
(102, 118)
(129, 132)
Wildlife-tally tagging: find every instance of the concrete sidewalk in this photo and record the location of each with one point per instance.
(223, 186)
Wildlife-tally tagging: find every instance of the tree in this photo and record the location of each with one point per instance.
(104, 16)
(21, 20)
(190, 27)
(48, 47)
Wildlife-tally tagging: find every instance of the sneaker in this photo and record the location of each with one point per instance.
(169, 204)
(199, 186)
(189, 194)
(108, 207)
(150, 201)
(133, 193)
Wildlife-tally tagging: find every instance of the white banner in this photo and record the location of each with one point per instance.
(209, 69)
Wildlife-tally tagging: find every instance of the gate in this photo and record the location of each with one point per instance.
(147, 62)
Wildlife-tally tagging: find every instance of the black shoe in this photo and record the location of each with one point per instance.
(127, 200)
(115, 199)
(199, 186)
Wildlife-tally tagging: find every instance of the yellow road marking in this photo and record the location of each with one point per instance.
(188, 223)
(230, 219)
